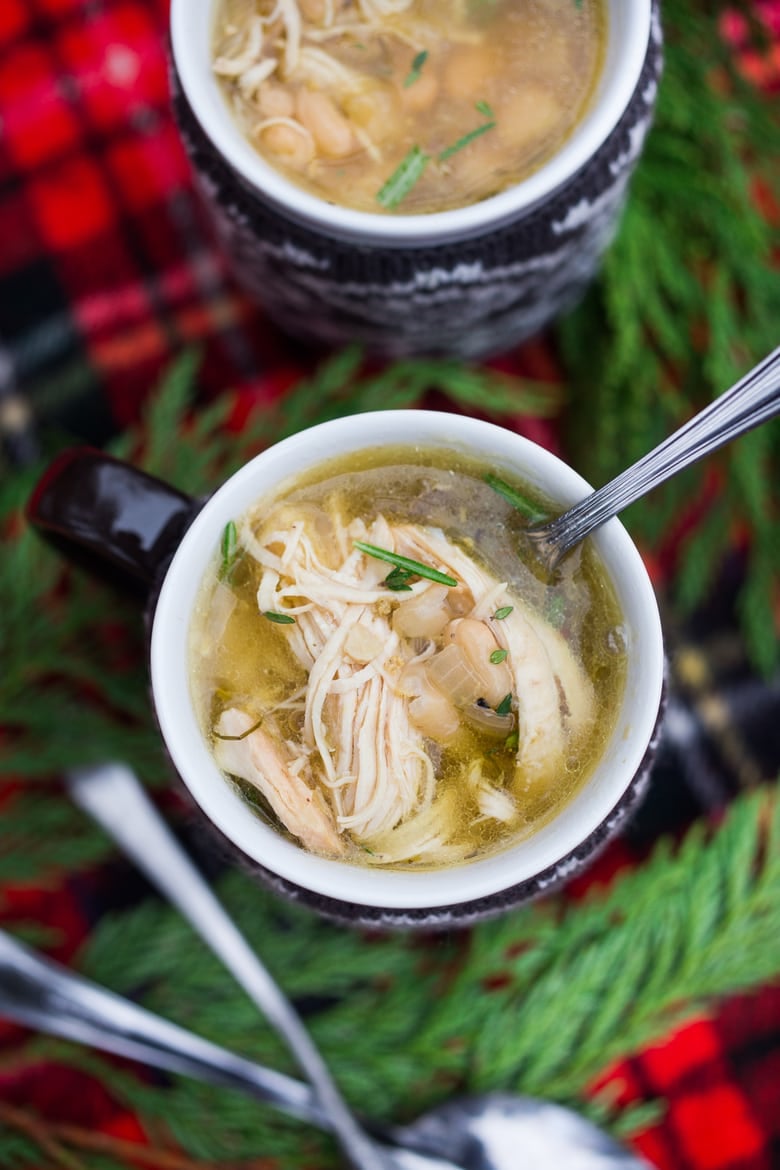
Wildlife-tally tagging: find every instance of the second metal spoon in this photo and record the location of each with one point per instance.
(112, 795)
(491, 1131)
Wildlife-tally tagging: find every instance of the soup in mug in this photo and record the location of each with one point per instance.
(413, 106)
(383, 675)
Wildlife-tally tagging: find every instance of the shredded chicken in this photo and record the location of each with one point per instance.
(362, 764)
(257, 758)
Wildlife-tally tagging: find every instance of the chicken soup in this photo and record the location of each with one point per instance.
(409, 106)
(383, 676)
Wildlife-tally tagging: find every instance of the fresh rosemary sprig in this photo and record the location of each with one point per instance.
(407, 173)
(406, 564)
(518, 501)
(466, 140)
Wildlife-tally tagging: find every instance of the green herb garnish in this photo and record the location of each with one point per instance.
(503, 612)
(512, 741)
(414, 568)
(416, 69)
(483, 107)
(513, 497)
(505, 706)
(229, 549)
(398, 580)
(466, 140)
(403, 178)
(498, 656)
(281, 619)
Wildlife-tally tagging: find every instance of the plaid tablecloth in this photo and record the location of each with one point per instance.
(107, 269)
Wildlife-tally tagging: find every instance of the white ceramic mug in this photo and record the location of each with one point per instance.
(98, 507)
(471, 281)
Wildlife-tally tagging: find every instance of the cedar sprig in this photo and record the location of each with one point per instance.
(404, 1025)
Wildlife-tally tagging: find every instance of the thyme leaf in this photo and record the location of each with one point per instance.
(398, 580)
(505, 706)
(417, 64)
(229, 549)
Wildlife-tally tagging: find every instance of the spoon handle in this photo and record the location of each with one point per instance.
(112, 795)
(751, 401)
(39, 993)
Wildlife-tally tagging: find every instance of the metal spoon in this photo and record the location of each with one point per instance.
(496, 1131)
(753, 400)
(112, 795)
(483, 1134)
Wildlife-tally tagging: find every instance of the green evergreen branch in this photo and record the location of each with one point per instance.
(542, 1001)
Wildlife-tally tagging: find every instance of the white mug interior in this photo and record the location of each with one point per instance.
(627, 38)
(623, 755)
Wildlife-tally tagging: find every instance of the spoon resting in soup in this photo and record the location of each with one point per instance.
(382, 676)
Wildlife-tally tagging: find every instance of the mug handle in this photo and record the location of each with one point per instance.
(110, 518)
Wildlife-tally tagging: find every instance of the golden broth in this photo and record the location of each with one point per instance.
(412, 106)
(487, 789)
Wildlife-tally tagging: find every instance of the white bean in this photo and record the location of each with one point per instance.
(375, 110)
(289, 141)
(329, 128)
(528, 114)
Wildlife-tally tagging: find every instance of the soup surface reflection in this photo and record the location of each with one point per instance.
(412, 106)
(384, 678)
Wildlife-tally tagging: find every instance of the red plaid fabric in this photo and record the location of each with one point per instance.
(107, 268)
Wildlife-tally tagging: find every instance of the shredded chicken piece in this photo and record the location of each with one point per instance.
(228, 65)
(370, 755)
(258, 759)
